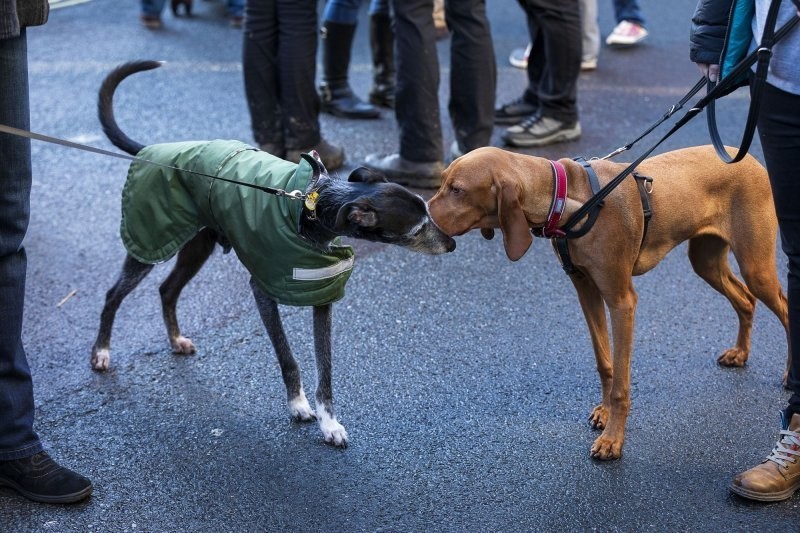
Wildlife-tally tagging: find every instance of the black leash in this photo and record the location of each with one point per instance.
(761, 55)
(294, 195)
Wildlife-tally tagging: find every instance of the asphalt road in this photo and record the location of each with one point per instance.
(464, 381)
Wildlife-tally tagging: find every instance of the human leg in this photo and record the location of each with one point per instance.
(151, 13)
(338, 30)
(778, 477)
(24, 465)
(630, 29)
(590, 48)
(553, 71)
(381, 42)
(419, 160)
(473, 75)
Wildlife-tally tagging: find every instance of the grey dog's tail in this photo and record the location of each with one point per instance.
(105, 104)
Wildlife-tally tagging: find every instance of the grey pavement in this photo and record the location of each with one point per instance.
(464, 381)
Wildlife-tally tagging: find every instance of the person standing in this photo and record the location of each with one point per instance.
(338, 29)
(473, 80)
(279, 61)
(547, 112)
(716, 26)
(24, 465)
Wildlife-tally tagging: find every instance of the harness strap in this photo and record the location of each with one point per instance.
(557, 205)
(642, 183)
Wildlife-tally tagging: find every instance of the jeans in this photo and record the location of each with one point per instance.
(555, 59)
(17, 438)
(628, 10)
(279, 60)
(153, 8)
(346, 11)
(779, 131)
(473, 77)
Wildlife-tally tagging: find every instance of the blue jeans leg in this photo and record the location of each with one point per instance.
(153, 8)
(628, 10)
(17, 438)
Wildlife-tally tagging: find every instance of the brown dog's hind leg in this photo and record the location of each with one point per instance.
(190, 259)
(595, 313)
(759, 272)
(133, 272)
(709, 257)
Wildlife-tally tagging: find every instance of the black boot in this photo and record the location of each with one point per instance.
(336, 95)
(381, 41)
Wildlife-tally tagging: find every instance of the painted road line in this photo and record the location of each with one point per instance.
(56, 4)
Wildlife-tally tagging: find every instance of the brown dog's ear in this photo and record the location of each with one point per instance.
(517, 236)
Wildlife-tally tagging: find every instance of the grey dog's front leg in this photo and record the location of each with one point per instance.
(299, 407)
(333, 431)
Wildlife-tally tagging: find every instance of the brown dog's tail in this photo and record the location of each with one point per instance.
(105, 107)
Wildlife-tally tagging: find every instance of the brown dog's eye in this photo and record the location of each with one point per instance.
(455, 190)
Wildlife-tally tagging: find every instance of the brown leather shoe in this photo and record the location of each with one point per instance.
(332, 155)
(778, 477)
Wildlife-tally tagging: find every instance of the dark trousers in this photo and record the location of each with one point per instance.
(555, 59)
(17, 438)
(473, 77)
(279, 60)
(779, 130)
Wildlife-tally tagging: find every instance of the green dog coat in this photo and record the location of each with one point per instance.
(164, 208)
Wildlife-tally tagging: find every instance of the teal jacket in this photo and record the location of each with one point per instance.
(162, 209)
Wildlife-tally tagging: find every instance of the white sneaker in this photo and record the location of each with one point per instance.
(589, 63)
(626, 34)
(519, 57)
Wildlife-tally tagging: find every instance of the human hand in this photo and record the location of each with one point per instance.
(709, 71)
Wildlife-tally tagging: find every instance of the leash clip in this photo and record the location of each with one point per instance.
(294, 195)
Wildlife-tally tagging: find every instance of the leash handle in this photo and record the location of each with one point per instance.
(718, 90)
(762, 55)
(294, 195)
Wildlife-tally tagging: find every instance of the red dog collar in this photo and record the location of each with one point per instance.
(559, 203)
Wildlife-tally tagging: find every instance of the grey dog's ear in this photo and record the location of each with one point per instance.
(359, 212)
(365, 175)
(517, 236)
(313, 159)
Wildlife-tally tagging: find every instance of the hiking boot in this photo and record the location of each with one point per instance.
(332, 155)
(778, 476)
(426, 175)
(514, 111)
(626, 33)
(41, 479)
(541, 131)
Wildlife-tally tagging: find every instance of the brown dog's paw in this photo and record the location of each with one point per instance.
(598, 417)
(181, 345)
(606, 449)
(733, 357)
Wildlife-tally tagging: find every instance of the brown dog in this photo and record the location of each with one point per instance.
(695, 197)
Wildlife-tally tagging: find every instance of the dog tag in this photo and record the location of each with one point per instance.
(311, 200)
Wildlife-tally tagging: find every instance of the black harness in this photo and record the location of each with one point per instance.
(643, 183)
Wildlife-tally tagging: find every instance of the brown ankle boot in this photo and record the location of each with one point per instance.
(778, 477)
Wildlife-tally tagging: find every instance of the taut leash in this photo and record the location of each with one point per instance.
(294, 195)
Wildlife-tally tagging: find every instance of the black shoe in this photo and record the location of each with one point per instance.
(382, 95)
(332, 155)
(41, 479)
(341, 102)
(514, 112)
(426, 175)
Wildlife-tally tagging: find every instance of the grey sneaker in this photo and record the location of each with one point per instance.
(514, 111)
(541, 131)
(426, 175)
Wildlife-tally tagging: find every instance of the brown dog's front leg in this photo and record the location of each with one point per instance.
(332, 430)
(623, 309)
(595, 313)
(299, 409)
